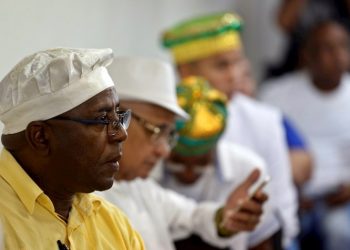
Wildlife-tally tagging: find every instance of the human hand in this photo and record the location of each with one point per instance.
(241, 212)
(341, 196)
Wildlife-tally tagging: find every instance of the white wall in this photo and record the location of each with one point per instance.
(263, 40)
(129, 27)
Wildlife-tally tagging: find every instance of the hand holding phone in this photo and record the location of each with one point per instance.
(255, 189)
(243, 194)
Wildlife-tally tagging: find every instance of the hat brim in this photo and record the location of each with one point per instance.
(169, 106)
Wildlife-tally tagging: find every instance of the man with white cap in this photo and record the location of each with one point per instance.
(62, 140)
(147, 87)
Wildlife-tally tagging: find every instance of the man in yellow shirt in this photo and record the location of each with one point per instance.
(62, 140)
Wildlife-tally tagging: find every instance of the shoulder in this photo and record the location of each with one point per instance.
(235, 159)
(284, 85)
(346, 81)
(114, 222)
(130, 191)
(247, 106)
(239, 153)
(253, 117)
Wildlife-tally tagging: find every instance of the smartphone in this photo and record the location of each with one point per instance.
(251, 193)
(259, 186)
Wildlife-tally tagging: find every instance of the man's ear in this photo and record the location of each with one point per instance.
(37, 135)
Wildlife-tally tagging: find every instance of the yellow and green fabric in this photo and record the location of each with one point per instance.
(203, 36)
(207, 109)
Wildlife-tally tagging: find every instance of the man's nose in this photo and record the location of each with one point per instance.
(162, 148)
(119, 135)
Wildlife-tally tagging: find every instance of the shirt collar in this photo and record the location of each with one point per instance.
(19, 180)
(29, 192)
(87, 203)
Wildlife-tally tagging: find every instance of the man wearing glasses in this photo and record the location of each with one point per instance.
(147, 87)
(62, 140)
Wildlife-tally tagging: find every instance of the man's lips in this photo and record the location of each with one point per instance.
(114, 162)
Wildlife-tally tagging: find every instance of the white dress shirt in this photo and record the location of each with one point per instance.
(324, 120)
(259, 128)
(234, 164)
(162, 216)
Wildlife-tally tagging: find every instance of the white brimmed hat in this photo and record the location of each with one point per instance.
(51, 82)
(147, 80)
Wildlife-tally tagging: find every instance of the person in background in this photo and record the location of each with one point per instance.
(210, 46)
(299, 154)
(62, 140)
(295, 18)
(147, 86)
(317, 99)
(205, 169)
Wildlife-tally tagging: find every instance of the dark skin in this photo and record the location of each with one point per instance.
(91, 161)
(326, 55)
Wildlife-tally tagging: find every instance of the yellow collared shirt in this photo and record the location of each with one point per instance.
(30, 222)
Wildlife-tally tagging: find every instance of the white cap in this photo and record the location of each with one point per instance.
(49, 83)
(147, 80)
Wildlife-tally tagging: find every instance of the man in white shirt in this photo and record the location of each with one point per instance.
(210, 46)
(161, 216)
(205, 169)
(318, 100)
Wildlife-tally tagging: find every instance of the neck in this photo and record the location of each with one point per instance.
(61, 202)
(62, 199)
(326, 85)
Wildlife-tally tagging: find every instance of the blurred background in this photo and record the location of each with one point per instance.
(273, 30)
(129, 27)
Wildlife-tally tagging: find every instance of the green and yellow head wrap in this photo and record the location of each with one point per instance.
(203, 36)
(207, 109)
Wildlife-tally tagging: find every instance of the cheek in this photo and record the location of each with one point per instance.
(88, 152)
(135, 151)
(215, 78)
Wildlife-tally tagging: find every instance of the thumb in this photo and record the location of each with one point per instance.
(241, 192)
(250, 180)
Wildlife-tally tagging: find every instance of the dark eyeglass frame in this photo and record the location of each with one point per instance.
(157, 132)
(123, 120)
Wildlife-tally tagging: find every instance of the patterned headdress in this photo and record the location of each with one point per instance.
(203, 36)
(207, 109)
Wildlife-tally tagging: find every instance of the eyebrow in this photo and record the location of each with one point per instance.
(107, 108)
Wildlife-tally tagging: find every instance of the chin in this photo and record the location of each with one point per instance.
(105, 185)
(144, 175)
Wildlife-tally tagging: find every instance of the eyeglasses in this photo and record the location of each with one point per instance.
(113, 126)
(158, 132)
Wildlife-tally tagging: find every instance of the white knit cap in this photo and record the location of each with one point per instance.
(147, 80)
(51, 82)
